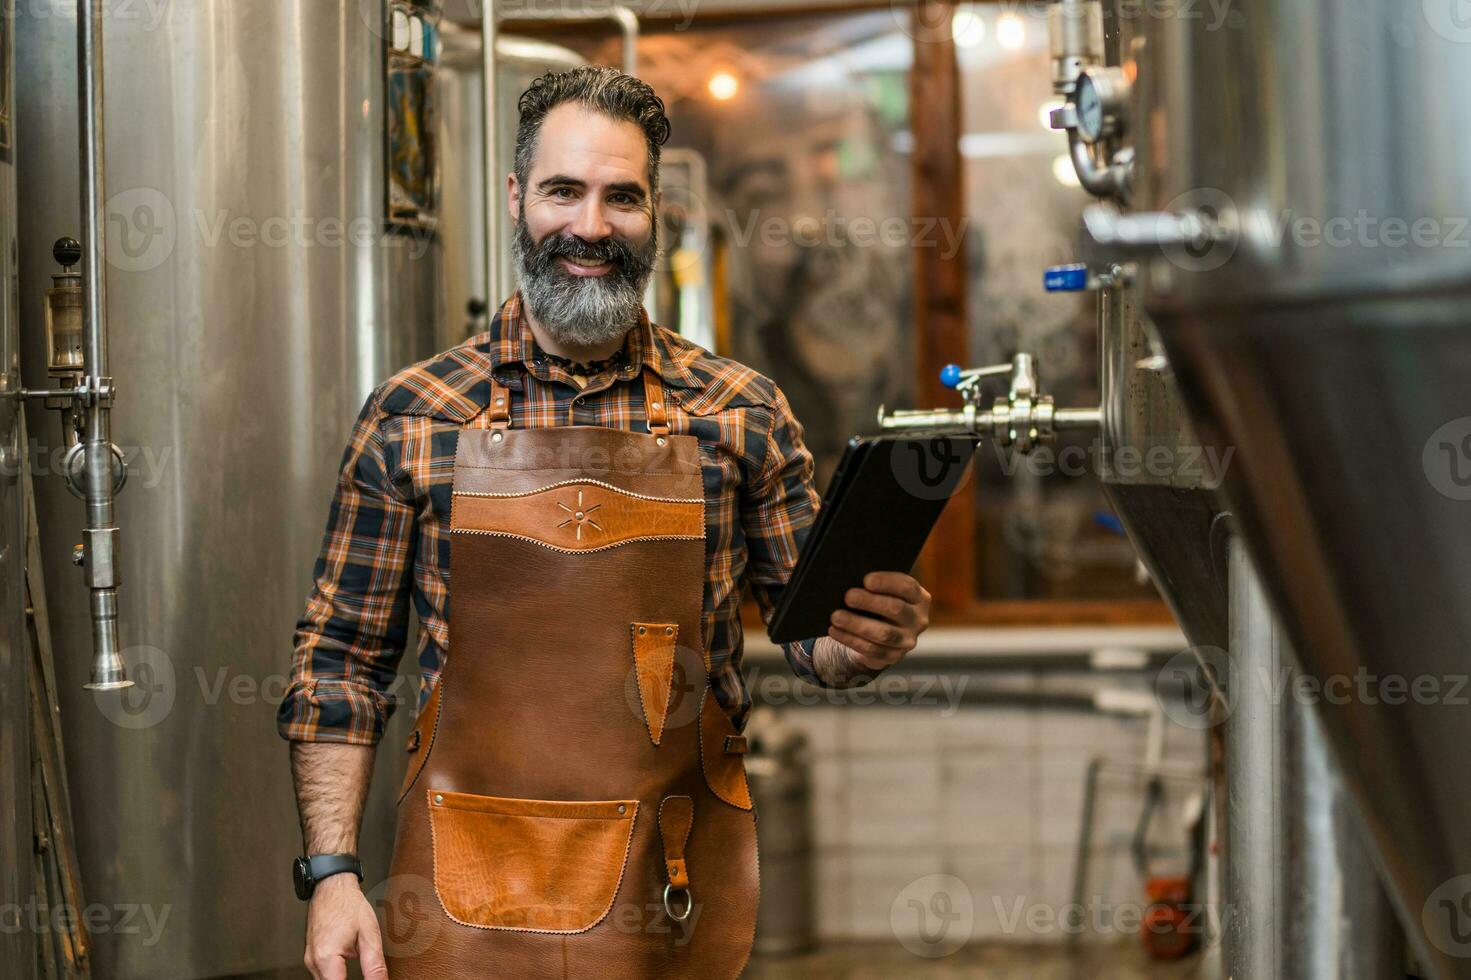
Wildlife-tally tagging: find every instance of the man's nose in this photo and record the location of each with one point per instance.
(589, 223)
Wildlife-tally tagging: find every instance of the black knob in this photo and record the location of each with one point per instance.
(67, 251)
(476, 307)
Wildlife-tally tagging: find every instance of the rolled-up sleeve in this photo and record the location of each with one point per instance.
(778, 509)
(351, 637)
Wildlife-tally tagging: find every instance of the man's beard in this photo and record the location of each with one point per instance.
(583, 311)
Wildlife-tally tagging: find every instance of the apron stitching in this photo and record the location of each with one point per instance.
(571, 483)
(581, 551)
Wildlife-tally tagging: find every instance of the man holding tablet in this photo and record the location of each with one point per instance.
(594, 491)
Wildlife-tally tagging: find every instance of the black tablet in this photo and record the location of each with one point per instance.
(883, 501)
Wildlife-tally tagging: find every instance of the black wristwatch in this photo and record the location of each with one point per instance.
(306, 872)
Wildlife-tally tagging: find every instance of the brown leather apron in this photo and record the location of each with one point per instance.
(576, 801)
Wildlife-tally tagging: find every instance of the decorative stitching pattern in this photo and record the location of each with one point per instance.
(583, 482)
(582, 551)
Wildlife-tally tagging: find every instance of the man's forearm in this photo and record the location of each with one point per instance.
(331, 787)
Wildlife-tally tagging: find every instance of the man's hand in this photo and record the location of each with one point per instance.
(893, 610)
(340, 925)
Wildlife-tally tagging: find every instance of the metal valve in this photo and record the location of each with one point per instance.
(1024, 417)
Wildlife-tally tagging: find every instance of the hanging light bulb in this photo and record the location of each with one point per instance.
(1011, 33)
(723, 85)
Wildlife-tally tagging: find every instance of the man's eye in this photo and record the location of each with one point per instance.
(563, 192)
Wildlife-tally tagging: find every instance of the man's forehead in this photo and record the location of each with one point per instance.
(582, 143)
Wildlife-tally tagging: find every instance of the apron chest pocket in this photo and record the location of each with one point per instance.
(528, 865)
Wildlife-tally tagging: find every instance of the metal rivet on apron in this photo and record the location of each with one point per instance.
(669, 631)
(438, 798)
(495, 437)
(500, 401)
(622, 808)
(660, 440)
(642, 630)
(579, 515)
(656, 406)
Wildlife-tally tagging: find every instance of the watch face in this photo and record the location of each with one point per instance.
(301, 878)
(1090, 109)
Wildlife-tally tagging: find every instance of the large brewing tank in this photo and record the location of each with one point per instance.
(255, 299)
(1163, 484)
(16, 845)
(1314, 297)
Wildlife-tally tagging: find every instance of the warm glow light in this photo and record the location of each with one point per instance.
(1010, 31)
(966, 28)
(723, 85)
(1062, 169)
(1044, 112)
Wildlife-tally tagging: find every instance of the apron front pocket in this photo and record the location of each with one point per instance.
(529, 865)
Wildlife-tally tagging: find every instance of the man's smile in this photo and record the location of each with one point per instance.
(585, 266)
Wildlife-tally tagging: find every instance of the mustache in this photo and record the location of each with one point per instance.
(617, 252)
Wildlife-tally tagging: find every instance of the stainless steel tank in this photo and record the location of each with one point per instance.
(16, 850)
(1306, 178)
(255, 298)
(1161, 481)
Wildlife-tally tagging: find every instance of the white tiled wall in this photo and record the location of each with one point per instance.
(990, 795)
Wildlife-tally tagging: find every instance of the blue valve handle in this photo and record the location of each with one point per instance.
(950, 375)
(1066, 278)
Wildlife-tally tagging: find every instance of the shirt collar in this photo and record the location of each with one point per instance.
(510, 341)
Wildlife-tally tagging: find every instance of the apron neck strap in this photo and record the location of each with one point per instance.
(498, 412)
(499, 409)
(655, 411)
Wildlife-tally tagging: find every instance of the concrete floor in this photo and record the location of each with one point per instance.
(1125, 961)
(863, 961)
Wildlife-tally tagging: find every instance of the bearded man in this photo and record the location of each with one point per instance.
(598, 491)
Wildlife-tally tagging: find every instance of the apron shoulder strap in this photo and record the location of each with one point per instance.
(655, 411)
(498, 412)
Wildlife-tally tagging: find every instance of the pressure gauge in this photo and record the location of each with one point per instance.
(1101, 99)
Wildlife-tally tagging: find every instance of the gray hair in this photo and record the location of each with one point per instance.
(604, 90)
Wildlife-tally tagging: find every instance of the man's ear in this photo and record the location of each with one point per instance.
(513, 197)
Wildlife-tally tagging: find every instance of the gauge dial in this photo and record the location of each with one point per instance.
(1090, 109)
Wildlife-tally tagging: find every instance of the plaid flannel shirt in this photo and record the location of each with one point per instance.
(388, 539)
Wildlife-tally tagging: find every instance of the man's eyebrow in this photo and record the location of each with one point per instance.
(629, 187)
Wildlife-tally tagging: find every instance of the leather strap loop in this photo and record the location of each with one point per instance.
(735, 745)
(676, 817)
(655, 409)
(499, 409)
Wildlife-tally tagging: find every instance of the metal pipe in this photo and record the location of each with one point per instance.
(1106, 180)
(623, 17)
(490, 155)
(1077, 418)
(100, 533)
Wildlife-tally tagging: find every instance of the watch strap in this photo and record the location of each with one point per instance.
(320, 867)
